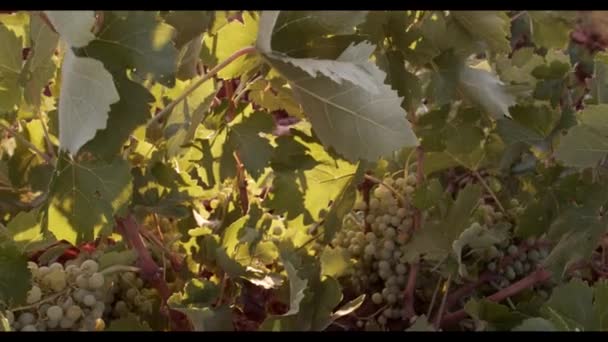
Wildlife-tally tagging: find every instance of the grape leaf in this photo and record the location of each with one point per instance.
(435, 241)
(188, 59)
(27, 233)
(551, 28)
(85, 196)
(127, 257)
(570, 306)
(131, 111)
(196, 292)
(39, 65)
(254, 150)
(499, 316)
(585, 144)
(15, 277)
(476, 237)
(335, 262)
(535, 324)
(488, 91)
(491, 27)
(136, 40)
(87, 90)
(228, 40)
(10, 69)
(421, 324)
(297, 286)
(131, 322)
(73, 26)
(349, 307)
(189, 24)
(308, 25)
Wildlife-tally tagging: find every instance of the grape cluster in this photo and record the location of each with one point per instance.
(514, 261)
(79, 297)
(380, 249)
(63, 298)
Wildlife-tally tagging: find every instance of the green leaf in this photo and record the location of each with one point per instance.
(421, 324)
(40, 65)
(228, 40)
(297, 286)
(428, 194)
(535, 324)
(254, 150)
(435, 241)
(518, 68)
(185, 117)
(125, 116)
(196, 292)
(476, 237)
(210, 319)
(293, 29)
(15, 277)
(87, 90)
(600, 305)
(232, 235)
(10, 69)
(552, 28)
(335, 262)
(585, 144)
(348, 116)
(189, 24)
(73, 26)
(486, 90)
(491, 27)
(27, 233)
(499, 316)
(127, 257)
(407, 84)
(570, 306)
(136, 40)
(84, 197)
(349, 307)
(131, 322)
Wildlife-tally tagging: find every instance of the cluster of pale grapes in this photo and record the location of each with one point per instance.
(79, 297)
(70, 298)
(514, 261)
(381, 265)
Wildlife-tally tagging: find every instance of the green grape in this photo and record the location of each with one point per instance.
(82, 281)
(512, 250)
(26, 318)
(492, 252)
(401, 269)
(89, 267)
(388, 313)
(382, 320)
(72, 270)
(56, 279)
(56, 267)
(543, 252)
(374, 203)
(369, 249)
(492, 266)
(518, 266)
(32, 266)
(510, 273)
(527, 266)
(384, 274)
(384, 265)
(29, 327)
(385, 292)
(533, 255)
(391, 281)
(401, 213)
(543, 294)
(33, 295)
(42, 271)
(52, 324)
(409, 190)
(389, 245)
(377, 298)
(54, 313)
(16, 326)
(391, 298)
(89, 300)
(73, 312)
(360, 324)
(390, 233)
(385, 254)
(66, 323)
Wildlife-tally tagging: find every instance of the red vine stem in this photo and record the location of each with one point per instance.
(539, 276)
(206, 77)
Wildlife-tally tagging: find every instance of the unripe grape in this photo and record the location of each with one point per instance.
(82, 281)
(89, 300)
(33, 295)
(390, 232)
(54, 313)
(360, 324)
(89, 266)
(56, 279)
(411, 180)
(96, 280)
(400, 182)
(42, 271)
(32, 266)
(492, 266)
(543, 252)
(79, 295)
(409, 190)
(377, 298)
(510, 273)
(401, 269)
(388, 313)
(389, 245)
(72, 270)
(29, 327)
(382, 320)
(391, 281)
(56, 267)
(52, 324)
(401, 280)
(131, 293)
(391, 298)
(384, 265)
(533, 255)
(26, 318)
(374, 203)
(401, 212)
(66, 323)
(518, 266)
(73, 312)
(512, 250)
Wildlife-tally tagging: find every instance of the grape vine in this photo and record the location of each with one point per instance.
(303, 171)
